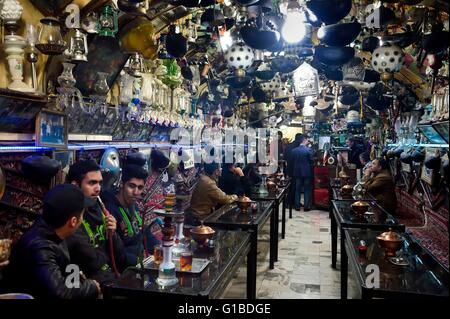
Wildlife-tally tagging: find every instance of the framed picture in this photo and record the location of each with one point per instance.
(51, 129)
(66, 158)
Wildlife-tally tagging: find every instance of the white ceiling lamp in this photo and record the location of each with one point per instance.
(295, 26)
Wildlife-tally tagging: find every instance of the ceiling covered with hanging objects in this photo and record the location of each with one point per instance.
(260, 63)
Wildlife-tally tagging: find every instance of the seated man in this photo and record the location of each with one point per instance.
(89, 246)
(381, 185)
(40, 262)
(231, 179)
(207, 195)
(123, 206)
(252, 178)
(364, 158)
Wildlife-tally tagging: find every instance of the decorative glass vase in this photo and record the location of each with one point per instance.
(66, 79)
(101, 86)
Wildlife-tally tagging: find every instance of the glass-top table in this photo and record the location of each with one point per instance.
(337, 195)
(229, 251)
(343, 217)
(280, 196)
(230, 217)
(413, 272)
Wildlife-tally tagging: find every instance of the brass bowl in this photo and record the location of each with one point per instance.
(5, 249)
(202, 233)
(360, 207)
(347, 189)
(391, 242)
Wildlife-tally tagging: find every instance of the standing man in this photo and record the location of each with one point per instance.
(89, 246)
(123, 206)
(290, 165)
(40, 262)
(303, 173)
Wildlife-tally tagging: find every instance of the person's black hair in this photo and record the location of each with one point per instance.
(365, 156)
(302, 139)
(298, 137)
(58, 218)
(79, 169)
(227, 166)
(210, 168)
(133, 171)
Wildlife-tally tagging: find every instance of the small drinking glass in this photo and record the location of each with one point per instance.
(158, 254)
(186, 261)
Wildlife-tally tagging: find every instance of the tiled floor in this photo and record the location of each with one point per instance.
(303, 270)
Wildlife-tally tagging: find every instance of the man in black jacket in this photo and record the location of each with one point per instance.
(232, 179)
(89, 247)
(40, 264)
(355, 150)
(123, 207)
(252, 178)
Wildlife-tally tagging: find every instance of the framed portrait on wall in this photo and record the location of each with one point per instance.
(51, 129)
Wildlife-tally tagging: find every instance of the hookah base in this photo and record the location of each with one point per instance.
(21, 87)
(166, 282)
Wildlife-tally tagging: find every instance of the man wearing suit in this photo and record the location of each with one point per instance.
(302, 158)
(290, 164)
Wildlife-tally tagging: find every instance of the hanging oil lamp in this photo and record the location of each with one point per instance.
(50, 40)
(107, 24)
(31, 52)
(78, 49)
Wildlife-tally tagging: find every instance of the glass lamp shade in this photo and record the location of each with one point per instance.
(50, 41)
(101, 86)
(31, 35)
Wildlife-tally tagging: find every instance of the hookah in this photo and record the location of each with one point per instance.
(263, 186)
(167, 269)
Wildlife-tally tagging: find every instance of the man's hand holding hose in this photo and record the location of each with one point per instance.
(111, 225)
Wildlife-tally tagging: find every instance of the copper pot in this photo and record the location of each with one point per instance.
(271, 186)
(360, 207)
(202, 233)
(347, 189)
(244, 203)
(391, 242)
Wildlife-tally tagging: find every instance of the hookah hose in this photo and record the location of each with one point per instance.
(110, 239)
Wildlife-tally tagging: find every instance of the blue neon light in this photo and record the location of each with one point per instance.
(25, 148)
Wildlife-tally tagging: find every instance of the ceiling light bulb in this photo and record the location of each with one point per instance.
(226, 41)
(294, 29)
